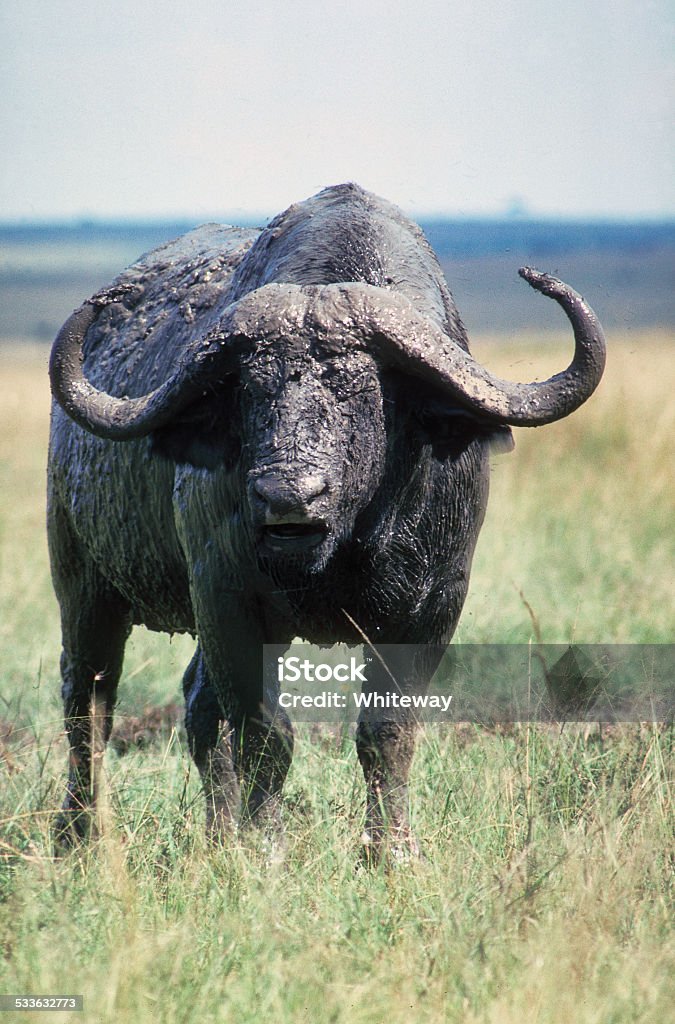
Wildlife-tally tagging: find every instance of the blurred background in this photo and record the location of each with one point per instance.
(514, 133)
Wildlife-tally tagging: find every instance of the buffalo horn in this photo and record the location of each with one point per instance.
(419, 345)
(118, 419)
(342, 314)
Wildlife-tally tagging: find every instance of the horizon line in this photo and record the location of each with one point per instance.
(260, 219)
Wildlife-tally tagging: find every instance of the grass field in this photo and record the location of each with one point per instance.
(546, 893)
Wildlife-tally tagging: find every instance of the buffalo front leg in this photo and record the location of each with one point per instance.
(263, 738)
(385, 750)
(210, 739)
(263, 753)
(385, 743)
(241, 745)
(260, 736)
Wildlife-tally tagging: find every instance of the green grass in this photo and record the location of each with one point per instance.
(546, 894)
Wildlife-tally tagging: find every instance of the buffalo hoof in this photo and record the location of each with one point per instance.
(391, 850)
(71, 829)
(264, 832)
(221, 826)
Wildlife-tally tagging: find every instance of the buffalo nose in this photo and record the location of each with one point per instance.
(283, 496)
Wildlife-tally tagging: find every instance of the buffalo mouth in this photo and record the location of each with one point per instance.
(293, 537)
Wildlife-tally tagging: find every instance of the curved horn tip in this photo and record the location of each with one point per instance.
(535, 278)
(544, 283)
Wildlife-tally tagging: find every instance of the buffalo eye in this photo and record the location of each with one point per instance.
(347, 381)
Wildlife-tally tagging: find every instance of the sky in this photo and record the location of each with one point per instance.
(213, 108)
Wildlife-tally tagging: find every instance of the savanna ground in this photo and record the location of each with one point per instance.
(546, 890)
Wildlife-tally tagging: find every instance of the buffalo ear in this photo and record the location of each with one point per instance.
(501, 440)
(201, 435)
(448, 424)
(179, 443)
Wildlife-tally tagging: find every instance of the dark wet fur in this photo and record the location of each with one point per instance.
(166, 530)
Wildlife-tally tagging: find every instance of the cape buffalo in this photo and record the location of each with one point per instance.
(259, 435)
